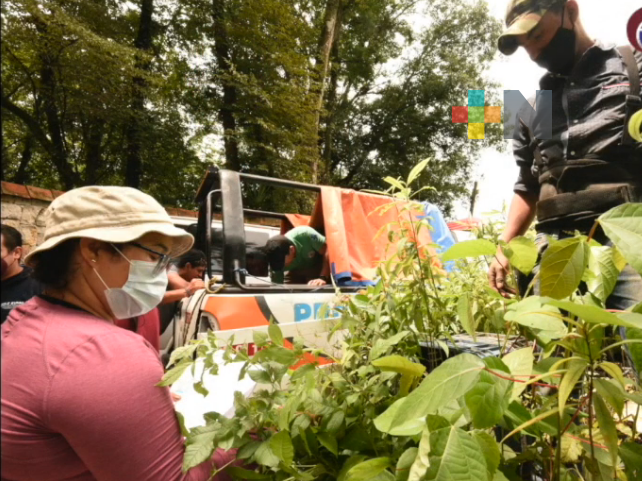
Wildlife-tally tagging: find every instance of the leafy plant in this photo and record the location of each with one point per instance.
(388, 410)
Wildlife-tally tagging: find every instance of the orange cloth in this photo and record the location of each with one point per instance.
(352, 221)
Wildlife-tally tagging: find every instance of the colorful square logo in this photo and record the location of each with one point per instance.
(477, 114)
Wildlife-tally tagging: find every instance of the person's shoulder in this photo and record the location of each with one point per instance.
(305, 229)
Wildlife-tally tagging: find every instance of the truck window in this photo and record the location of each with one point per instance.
(254, 239)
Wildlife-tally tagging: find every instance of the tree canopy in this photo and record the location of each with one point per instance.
(148, 93)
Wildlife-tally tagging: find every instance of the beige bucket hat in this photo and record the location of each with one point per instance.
(109, 214)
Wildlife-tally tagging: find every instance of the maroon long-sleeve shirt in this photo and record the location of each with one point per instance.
(79, 402)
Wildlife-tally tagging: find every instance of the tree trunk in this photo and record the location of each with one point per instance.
(226, 112)
(329, 33)
(25, 158)
(331, 106)
(94, 145)
(68, 176)
(3, 149)
(134, 167)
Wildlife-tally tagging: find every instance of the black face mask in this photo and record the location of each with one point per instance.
(559, 55)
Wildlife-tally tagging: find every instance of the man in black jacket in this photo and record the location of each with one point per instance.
(591, 163)
(17, 284)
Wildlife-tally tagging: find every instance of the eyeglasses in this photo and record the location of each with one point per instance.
(163, 262)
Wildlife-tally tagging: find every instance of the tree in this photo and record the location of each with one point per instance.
(341, 92)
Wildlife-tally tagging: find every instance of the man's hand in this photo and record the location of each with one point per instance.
(317, 283)
(194, 285)
(497, 274)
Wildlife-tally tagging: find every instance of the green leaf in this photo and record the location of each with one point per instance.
(240, 473)
(635, 349)
(335, 422)
(367, 470)
(276, 336)
(181, 424)
(200, 388)
(248, 450)
(448, 381)
(400, 364)
(466, 315)
(611, 392)
(607, 425)
(562, 267)
(174, 374)
(530, 312)
(265, 456)
(573, 374)
(530, 420)
(605, 263)
(277, 354)
(281, 446)
(421, 463)
(199, 446)
(490, 449)
(471, 248)
(329, 442)
(394, 182)
(597, 315)
(405, 463)
(182, 352)
(260, 338)
(454, 454)
(349, 464)
(523, 254)
(520, 363)
(623, 225)
(302, 371)
(382, 345)
(260, 376)
(571, 449)
(488, 398)
(417, 170)
(614, 371)
(411, 427)
(631, 454)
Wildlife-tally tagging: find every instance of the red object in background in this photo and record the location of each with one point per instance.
(148, 327)
(634, 30)
(465, 224)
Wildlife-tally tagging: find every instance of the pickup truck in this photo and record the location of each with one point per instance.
(235, 303)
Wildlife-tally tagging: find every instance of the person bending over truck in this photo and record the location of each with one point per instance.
(303, 253)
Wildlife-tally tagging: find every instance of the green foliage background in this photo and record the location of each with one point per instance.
(340, 92)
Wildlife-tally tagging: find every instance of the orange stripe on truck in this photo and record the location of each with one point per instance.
(236, 312)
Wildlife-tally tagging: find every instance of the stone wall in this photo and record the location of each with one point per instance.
(23, 207)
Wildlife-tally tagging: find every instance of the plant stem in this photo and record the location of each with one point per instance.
(558, 448)
(590, 393)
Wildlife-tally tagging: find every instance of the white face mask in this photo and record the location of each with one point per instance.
(142, 292)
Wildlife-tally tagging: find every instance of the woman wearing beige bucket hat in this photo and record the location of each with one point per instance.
(79, 395)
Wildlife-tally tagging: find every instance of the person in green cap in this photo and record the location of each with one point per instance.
(590, 164)
(303, 253)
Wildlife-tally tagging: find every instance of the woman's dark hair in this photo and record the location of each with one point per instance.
(194, 257)
(275, 250)
(54, 267)
(11, 237)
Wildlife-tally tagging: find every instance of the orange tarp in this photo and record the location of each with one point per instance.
(350, 221)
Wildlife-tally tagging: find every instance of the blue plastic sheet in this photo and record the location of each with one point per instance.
(440, 233)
